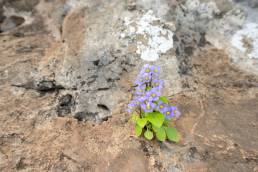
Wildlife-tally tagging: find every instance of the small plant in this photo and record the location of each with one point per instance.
(151, 112)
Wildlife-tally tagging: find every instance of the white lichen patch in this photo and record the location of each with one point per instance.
(246, 40)
(150, 36)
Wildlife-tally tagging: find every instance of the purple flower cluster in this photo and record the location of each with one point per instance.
(148, 92)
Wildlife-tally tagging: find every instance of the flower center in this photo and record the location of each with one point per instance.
(156, 84)
(148, 70)
(153, 95)
(146, 78)
(155, 70)
(148, 107)
(168, 113)
(161, 106)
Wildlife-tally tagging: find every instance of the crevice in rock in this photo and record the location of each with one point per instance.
(96, 62)
(103, 107)
(42, 86)
(46, 86)
(106, 118)
(102, 89)
(65, 105)
(20, 164)
(9, 23)
(85, 116)
(63, 156)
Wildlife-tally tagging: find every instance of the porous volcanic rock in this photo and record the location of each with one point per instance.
(67, 71)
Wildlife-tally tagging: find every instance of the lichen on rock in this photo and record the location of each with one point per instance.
(150, 34)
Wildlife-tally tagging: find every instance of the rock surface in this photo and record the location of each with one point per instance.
(66, 74)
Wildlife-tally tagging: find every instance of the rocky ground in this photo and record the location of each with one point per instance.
(66, 74)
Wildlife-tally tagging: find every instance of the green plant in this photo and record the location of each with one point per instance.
(151, 112)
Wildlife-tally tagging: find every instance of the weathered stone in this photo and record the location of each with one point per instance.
(129, 161)
(65, 105)
(67, 71)
(131, 4)
(23, 5)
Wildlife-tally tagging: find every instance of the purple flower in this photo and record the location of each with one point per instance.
(157, 84)
(155, 70)
(169, 112)
(177, 113)
(146, 69)
(139, 81)
(161, 107)
(148, 92)
(154, 94)
(146, 77)
(140, 100)
(147, 74)
(133, 105)
(143, 78)
(140, 90)
(147, 106)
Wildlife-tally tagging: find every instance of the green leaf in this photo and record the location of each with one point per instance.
(161, 134)
(142, 122)
(166, 122)
(155, 129)
(148, 134)
(138, 130)
(172, 134)
(163, 99)
(156, 118)
(135, 117)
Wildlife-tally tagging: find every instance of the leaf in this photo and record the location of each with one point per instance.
(138, 130)
(161, 134)
(141, 122)
(148, 134)
(155, 129)
(166, 122)
(172, 134)
(163, 99)
(135, 117)
(156, 118)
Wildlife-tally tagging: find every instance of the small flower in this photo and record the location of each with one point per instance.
(131, 107)
(156, 70)
(139, 81)
(176, 112)
(154, 94)
(148, 107)
(147, 77)
(140, 90)
(169, 112)
(161, 107)
(146, 69)
(157, 84)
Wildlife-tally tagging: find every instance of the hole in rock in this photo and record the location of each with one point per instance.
(96, 62)
(65, 105)
(102, 106)
(85, 116)
(11, 23)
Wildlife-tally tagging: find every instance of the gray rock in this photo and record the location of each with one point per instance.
(67, 72)
(65, 105)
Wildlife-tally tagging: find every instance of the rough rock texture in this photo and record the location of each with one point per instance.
(66, 74)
